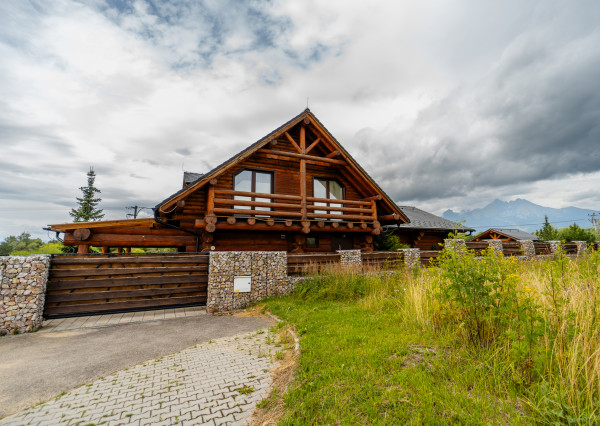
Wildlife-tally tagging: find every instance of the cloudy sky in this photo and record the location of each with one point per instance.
(448, 104)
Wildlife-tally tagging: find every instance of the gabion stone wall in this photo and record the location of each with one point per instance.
(528, 248)
(456, 244)
(497, 244)
(267, 269)
(350, 257)
(581, 247)
(22, 292)
(412, 257)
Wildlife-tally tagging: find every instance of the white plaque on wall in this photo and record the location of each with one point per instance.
(242, 284)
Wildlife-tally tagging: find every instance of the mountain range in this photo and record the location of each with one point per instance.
(520, 214)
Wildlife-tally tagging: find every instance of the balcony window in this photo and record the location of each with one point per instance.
(331, 189)
(253, 181)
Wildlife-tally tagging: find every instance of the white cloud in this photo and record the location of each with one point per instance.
(414, 89)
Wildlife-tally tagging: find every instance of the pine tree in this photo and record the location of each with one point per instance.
(548, 232)
(87, 211)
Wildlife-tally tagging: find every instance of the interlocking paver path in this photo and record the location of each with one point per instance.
(219, 382)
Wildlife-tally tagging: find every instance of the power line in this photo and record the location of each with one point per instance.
(531, 224)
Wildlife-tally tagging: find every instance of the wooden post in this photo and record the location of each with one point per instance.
(128, 250)
(105, 249)
(83, 249)
(210, 202)
(303, 172)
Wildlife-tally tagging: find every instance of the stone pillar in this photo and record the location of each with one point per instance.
(581, 247)
(497, 244)
(350, 257)
(22, 292)
(528, 248)
(412, 256)
(456, 244)
(554, 246)
(267, 270)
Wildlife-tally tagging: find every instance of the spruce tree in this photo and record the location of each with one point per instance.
(87, 210)
(548, 232)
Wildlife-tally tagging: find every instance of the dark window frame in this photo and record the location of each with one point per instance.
(315, 245)
(327, 190)
(253, 184)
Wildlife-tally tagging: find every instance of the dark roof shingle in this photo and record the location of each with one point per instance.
(420, 219)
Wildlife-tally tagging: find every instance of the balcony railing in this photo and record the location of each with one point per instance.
(292, 207)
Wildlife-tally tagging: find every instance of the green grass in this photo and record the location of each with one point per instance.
(365, 362)
(475, 341)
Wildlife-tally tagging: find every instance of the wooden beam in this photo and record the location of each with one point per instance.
(303, 174)
(373, 198)
(210, 201)
(387, 217)
(243, 226)
(330, 200)
(312, 145)
(82, 234)
(339, 216)
(339, 209)
(264, 154)
(124, 240)
(293, 142)
(230, 202)
(220, 210)
(257, 194)
(63, 227)
(333, 154)
(304, 156)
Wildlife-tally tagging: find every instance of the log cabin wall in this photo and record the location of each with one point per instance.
(286, 181)
(424, 240)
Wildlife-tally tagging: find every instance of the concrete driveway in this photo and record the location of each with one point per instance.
(39, 366)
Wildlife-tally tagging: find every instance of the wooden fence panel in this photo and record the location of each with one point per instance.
(477, 246)
(306, 264)
(383, 259)
(429, 257)
(87, 284)
(541, 247)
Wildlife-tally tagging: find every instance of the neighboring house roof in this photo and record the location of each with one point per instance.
(516, 234)
(420, 219)
(189, 177)
(247, 152)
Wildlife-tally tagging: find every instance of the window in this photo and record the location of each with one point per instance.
(312, 242)
(328, 188)
(253, 181)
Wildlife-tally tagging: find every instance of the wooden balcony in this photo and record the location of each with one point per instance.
(283, 210)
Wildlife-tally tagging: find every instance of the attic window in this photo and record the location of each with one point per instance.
(331, 189)
(257, 181)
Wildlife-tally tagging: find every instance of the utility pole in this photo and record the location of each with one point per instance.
(136, 210)
(595, 219)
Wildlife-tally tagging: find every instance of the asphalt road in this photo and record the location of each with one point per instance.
(37, 367)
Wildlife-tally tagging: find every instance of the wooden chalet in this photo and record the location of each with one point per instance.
(505, 235)
(425, 230)
(296, 189)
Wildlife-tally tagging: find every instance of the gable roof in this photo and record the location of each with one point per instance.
(420, 219)
(517, 234)
(247, 152)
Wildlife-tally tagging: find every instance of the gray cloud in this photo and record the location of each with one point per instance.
(535, 116)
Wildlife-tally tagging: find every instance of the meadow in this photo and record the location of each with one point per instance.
(489, 340)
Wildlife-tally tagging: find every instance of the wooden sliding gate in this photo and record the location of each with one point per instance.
(80, 285)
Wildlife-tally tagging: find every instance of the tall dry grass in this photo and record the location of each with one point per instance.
(550, 355)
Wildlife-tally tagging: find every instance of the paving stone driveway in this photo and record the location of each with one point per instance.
(219, 382)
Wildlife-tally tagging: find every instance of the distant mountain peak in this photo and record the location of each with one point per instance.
(518, 213)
